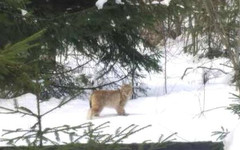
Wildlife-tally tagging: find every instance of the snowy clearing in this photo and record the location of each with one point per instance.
(190, 110)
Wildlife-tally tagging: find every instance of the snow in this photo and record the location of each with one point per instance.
(180, 5)
(99, 4)
(232, 141)
(113, 24)
(165, 2)
(189, 111)
(119, 2)
(155, 2)
(24, 12)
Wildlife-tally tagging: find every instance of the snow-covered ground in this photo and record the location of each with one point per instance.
(190, 110)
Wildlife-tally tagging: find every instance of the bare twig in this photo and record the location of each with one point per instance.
(11, 111)
(61, 104)
(92, 88)
(202, 67)
(211, 109)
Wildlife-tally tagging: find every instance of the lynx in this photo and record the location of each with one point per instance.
(116, 99)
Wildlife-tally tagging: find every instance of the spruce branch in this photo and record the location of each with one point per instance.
(21, 110)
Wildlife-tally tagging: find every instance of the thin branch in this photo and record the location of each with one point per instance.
(211, 109)
(59, 105)
(227, 65)
(202, 67)
(64, 128)
(91, 88)
(212, 69)
(132, 131)
(107, 71)
(11, 111)
(92, 130)
(73, 69)
(185, 72)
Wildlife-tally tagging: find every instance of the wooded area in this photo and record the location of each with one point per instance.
(121, 39)
(110, 46)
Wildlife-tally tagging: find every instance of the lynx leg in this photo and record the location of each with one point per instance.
(95, 111)
(89, 115)
(120, 110)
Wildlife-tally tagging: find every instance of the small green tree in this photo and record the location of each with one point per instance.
(15, 68)
(235, 108)
(37, 135)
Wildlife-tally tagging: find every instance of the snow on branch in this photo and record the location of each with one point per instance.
(100, 3)
(165, 2)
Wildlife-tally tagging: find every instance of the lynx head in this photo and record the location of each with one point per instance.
(126, 90)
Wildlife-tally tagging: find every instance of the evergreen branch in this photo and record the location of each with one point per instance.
(12, 111)
(107, 71)
(73, 69)
(16, 139)
(132, 131)
(22, 45)
(17, 131)
(26, 135)
(221, 134)
(83, 12)
(119, 134)
(49, 140)
(79, 13)
(91, 130)
(161, 140)
(26, 111)
(65, 127)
